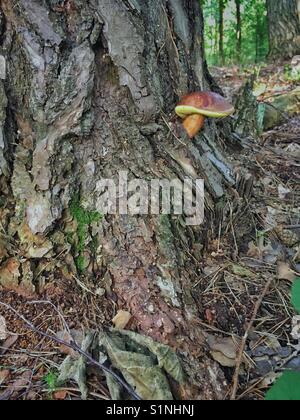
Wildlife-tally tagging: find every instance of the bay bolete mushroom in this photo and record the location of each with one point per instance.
(196, 106)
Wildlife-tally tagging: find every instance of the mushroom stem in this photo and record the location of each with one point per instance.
(193, 124)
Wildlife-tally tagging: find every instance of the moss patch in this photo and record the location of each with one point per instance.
(84, 219)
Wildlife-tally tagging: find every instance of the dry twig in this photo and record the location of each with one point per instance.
(74, 347)
(245, 338)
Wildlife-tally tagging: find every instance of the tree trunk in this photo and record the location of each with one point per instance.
(284, 28)
(257, 37)
(221, 31)
(238, 29)
(216, 16)
(88, 90)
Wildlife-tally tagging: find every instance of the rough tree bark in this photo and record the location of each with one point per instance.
(221, 31)
(238, 29)
(257, 37)
(284, 28)
(88, 89)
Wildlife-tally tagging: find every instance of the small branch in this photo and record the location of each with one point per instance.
(74, 347)
(46, 302)
(292, 227)
(245, 338)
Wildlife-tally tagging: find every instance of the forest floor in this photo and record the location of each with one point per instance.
(246, 276)
(271, 79)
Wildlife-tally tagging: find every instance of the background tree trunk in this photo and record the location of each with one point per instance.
(221, 31)
(238, 29)
(284, 28)
(89, 90)
(257, 37)
(216, 49)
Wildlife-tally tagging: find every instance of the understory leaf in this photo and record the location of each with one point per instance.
(223, 350)
(142, 362)
(75, 369)
(287, 388)
(296, 294)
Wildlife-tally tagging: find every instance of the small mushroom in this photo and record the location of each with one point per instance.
(194, 107)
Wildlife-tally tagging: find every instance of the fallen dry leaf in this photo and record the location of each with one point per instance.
(60, 395)
(3, 330)
(210, 316)
(8, 344)
(265, 251)
(76, 369)
(10, 277)
(254, 251)
(22, 382)
(284, 272)
(76, 336)
(286, 236)
(223, 350)
(143, 362)
(4, 375)
(9, 274)
(121, 320)
(222, 359)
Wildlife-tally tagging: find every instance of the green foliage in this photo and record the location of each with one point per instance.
(287, 388)
(296, 294)
(291, 74)
(254, 31)
(80, 263)
(84, 219)
(51, 381)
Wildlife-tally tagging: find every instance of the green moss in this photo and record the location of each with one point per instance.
(291, 74)
(84, 219)
(80, 263)
(51, 382)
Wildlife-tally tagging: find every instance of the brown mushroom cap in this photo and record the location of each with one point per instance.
(209, 104)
